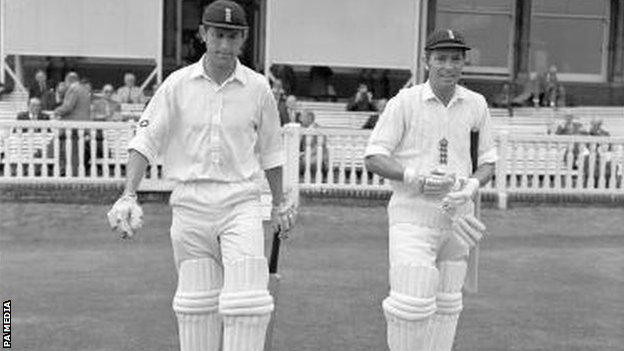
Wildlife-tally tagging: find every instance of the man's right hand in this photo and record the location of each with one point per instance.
(126, 216)
(434, 183)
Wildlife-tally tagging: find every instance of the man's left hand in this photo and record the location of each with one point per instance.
(283, 218)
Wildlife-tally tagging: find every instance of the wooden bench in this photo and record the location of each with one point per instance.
(342, 119)
(321, 106)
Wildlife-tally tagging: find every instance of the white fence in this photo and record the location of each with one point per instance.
(319, 159)
(528, 164)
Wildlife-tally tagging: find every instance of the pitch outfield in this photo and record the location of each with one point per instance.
(552, 278)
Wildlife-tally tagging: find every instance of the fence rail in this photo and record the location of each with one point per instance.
(318, 159)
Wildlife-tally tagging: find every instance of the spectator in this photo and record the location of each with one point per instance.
(129, 93)
(320, 83)
(105, 108)
(76, 100)
(280, 99)
(596, 129)
(503, 98)
(362, 101)
(59, 94)
(87, 85)
(42, 89)
(569, 126)
(34, 112)
(307, 121)
(553, 92)
(76, 106)
(291, 107)
(380, 105)
(286, 74)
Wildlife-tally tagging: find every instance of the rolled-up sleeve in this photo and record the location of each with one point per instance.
(388, 131)
(153, 126)
(270, 145)
(487, 147)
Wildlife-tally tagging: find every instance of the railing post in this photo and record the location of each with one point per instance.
(292, 138)
(501, 170)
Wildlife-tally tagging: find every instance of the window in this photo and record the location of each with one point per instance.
(572, 35)
(488, 28)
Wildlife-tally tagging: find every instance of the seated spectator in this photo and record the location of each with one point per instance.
(596, 129)
(372, 120)
(42, 89)
(34, 112)
(105, 108)
(76, 101)
(307, 121)
(570, 127)
(129, 93)
(362, 101)
(291, 107)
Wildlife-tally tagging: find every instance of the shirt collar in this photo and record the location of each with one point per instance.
(197, 70)
(428, 94)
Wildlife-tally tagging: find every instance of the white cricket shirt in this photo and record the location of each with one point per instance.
(206, 131)
(415, 121)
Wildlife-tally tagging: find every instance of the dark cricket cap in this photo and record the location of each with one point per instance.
(225, 14)
(446, 39)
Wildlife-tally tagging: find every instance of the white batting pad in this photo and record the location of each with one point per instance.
(410, 305)
(196, 303)
(449, 301)
(245, 304)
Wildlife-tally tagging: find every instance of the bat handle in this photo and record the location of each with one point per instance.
(274, 256)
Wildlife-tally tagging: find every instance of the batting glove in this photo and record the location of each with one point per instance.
(126, 216)
(283, 218)
(435, 183)
(469, 230)
(466, 191)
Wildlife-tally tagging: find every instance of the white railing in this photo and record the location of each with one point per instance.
(318, 159)
(557, 165)
(87, 152)
(528, 164)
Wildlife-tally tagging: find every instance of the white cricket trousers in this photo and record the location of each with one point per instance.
(427, 271)
(216, 220)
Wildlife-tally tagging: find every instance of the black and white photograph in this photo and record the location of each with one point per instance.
(312, 175)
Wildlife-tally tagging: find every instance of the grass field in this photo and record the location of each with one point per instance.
(551, 278)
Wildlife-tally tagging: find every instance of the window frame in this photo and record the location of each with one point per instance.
(605, 19)
(489, 72)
